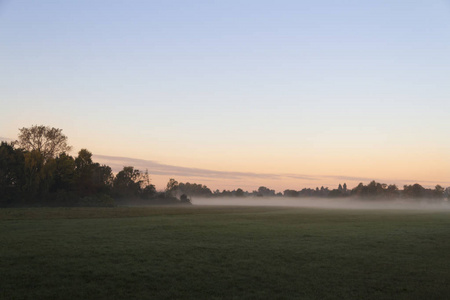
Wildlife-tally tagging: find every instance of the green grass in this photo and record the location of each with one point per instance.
(223, 253)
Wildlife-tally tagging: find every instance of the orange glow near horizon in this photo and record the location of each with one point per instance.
(308, 172)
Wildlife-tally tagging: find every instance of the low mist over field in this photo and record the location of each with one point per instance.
(337, 203)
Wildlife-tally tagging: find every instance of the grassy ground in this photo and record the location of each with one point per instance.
(223, 253)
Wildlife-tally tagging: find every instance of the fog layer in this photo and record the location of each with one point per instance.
(335, 203)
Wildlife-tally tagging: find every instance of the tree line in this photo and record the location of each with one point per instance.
(37, 170)
(373, 190)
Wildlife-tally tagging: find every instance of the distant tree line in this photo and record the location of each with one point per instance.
(37, 170)
(374, 190)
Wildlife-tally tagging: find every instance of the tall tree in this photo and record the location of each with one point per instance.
(38, 175)
(64, 175)
(172, 187)
(438, 191)
(130, 182)
(48, 141)
(91, 178)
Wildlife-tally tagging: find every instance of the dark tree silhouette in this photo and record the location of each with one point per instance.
(130, 182)
(413, 191)
(49, 142)
(239, 193)
(12, 177)
(172, 187)
(266, 192)
(185, 199)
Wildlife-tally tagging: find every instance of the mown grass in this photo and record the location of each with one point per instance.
(223, 253)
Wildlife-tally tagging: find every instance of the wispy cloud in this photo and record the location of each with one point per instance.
(349, 178)
(156, 168)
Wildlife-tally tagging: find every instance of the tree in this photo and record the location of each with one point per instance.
(438, 191)
(372, 190)
(193, 189)
(172, 187)
(84, 159)
(447, 193)
(64, 175)
(129, 182)
(12, 177)
(48, 141)
(83, 172)
(290, 193)
(91, 178)
(185, 199)
(38, 175)
(413, 191)
(392, 191)
(148, 192)
(240, 193)
(266, 192)
(336, 193)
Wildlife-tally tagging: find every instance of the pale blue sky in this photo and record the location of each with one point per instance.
(254, 86)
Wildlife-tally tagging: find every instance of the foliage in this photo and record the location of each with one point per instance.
(38, 174)
(290, 193)
(240, 193)
(185, 199)
(193, 189)
(49, 142)
(172, 187)
(131, 182)
(12, 177)
(64, 173)
(265, 192)
(91, 178)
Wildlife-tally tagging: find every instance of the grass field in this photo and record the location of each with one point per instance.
(223, 253)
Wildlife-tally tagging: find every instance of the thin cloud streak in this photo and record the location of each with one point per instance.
(117, 163)
(156, 168)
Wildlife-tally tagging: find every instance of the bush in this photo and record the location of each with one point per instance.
(185, 199)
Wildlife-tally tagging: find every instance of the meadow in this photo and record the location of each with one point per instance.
(212, 252)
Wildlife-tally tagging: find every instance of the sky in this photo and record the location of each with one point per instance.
(285, 94)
